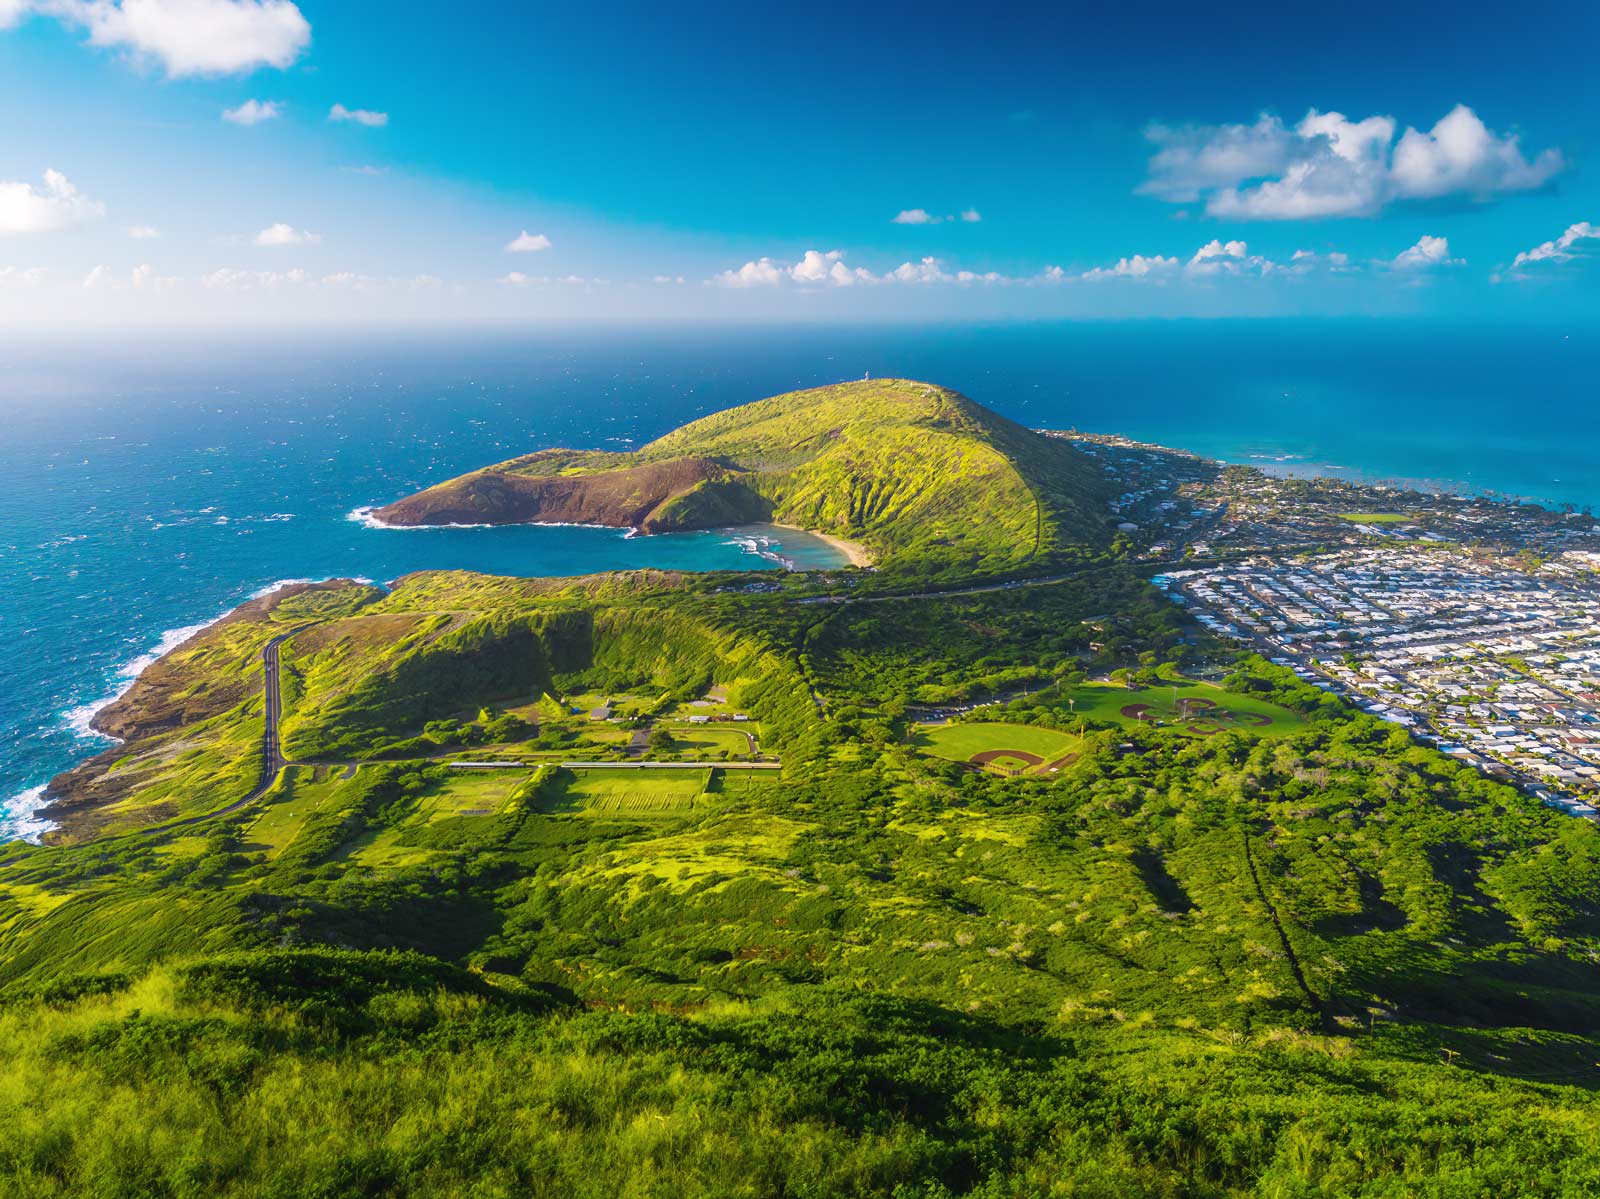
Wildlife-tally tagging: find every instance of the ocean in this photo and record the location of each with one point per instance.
(149, 483)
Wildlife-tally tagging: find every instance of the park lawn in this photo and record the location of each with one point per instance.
(471, 793)
(289, 805)
(1377, 518)
(709, 738)
(1104, 702)
(962, 742)
(624, 792)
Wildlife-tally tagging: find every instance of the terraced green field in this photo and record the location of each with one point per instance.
(1192, 709)
(648, 793)
(999, 746)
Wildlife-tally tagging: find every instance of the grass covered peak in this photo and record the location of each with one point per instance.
(915, 471)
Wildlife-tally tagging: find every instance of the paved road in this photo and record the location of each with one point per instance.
(272, 759)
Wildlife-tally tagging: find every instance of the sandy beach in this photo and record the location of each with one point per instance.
(855, 553)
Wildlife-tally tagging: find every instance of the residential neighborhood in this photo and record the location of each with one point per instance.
(1496, 663)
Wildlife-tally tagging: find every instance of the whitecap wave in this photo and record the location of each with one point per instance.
(80, 720)
(365, 517)
(273, 588)
(20, 819)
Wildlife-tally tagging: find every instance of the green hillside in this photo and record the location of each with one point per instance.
(909, 469)
(1308, 960)
(664, 884)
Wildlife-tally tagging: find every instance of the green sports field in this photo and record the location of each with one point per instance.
(1000, 746)
(1192, 709)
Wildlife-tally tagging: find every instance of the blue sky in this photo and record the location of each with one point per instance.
(723, 161)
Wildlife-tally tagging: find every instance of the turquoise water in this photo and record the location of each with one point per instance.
(147, 486)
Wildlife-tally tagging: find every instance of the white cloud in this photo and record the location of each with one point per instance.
(921, 216)
(515, 279)
(1429, 252)
(144, 232)
(23, 209)
(1558, 250)
(361, 116)
(11, 276)
(11, 13)
(1462, 156)
(816, 268)
(668, 279)
(1217, 257)
(527, 243)
(146, 278)
(229, 279)
(285, 235)
(143, 277)
(929, 270)
(253, 112)
(1330, 166)
(1137, 267)
(828, 269)
(426, 282)
(761, 273)
(188, 37)
(1303, 262)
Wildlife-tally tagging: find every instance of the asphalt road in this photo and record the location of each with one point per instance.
(272, 759)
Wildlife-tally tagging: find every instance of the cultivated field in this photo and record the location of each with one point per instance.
(635, 793)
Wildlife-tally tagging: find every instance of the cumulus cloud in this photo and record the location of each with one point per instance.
(828, 269)
(1331, 166)
(1139, 266)
(1555, 251)
(668, 279)
(518, 279)
(144, 232)
(60, 205)
(285, 235)
(361, 116)
(1218, 257)
(143, 277)
(921, 216)
(816, 268)
(527, 243)
(1429, 252)
(1303, 262)
(229, 279)
(253, 112)
(187, 37)
(12, 276)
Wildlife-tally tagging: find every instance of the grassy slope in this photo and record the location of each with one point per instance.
(1325, 962)
(906, 467)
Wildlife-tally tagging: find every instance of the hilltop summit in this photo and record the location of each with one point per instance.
(899, 465)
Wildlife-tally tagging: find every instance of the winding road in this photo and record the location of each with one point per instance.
(272, 759)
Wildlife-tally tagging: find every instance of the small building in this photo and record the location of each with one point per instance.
(603, 712)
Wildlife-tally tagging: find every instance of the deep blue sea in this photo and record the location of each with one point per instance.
(150, 483)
